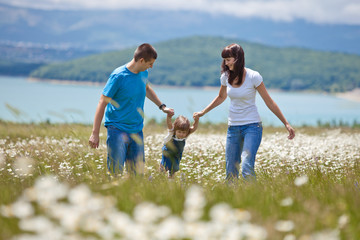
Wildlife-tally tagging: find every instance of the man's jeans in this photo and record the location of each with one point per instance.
(242, 144)
(125, 147)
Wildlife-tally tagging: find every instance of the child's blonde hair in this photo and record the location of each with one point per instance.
(181, 123)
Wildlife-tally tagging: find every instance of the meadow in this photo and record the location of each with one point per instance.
(54, 186)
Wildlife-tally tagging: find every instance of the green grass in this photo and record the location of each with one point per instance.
(329, 157)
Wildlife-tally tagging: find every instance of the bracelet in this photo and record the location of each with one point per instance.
(162, 105)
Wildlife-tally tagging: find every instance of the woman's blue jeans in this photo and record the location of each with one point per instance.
(124, 147)
(242, 144)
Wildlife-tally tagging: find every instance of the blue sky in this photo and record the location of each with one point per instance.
(315, 11)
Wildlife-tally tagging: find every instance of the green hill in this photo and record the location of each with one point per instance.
(195, 61)
(21, 60)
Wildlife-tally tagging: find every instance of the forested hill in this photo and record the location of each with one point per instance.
(195, 61)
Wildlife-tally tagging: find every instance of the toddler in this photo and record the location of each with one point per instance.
(174, 142)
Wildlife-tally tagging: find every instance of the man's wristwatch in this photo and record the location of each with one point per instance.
(162, 105)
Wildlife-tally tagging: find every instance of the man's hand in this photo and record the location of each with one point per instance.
(94, 141)
(168, 110)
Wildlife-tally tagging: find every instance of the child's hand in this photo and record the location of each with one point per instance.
(195, 124)
(170, 114)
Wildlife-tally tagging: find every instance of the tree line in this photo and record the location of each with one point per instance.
(195, 61)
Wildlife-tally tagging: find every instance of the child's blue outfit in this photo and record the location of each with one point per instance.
(172, 152)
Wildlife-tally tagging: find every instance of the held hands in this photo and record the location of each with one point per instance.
(196, 118)
(198, 114)
(170, 114)
(168, 111)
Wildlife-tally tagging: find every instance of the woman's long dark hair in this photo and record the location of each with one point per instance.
(234, 50)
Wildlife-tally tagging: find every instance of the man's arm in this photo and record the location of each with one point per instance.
(99, 114)
(150, 94)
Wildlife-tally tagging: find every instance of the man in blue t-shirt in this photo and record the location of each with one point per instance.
(123, 97)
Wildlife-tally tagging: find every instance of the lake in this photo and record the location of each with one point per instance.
(25, 101)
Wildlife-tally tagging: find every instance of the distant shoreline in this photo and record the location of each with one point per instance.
(66, 82)
(89, 83)
(353, 95)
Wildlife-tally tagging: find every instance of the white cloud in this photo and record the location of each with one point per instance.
(317, 11)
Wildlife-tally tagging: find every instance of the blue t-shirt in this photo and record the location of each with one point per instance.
(127, 91)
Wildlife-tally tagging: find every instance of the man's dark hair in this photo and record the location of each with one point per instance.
(145, 51)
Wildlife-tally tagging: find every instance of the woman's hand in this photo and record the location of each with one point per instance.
(291, 131)
(198, 114)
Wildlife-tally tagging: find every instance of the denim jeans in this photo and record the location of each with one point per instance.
(124, 147)
(242, 144)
